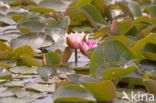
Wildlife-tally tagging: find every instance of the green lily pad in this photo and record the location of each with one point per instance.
(140, 45)
(41, 10)
(125, 40)
(93, 12)
(5, 75)
(17, 18)
(5, 50)
(102, 90)
(52, 58)
(32, 25)
(135, 8)
(72, 93)
(7, 66)
(149, 51)
(40, 87)
(150, 85)
(125, 26)
(6, 93)
(13, 84)
(14, 100)
(57, 5)
(30, 61)
(79, 3)
(35, 40)
(46, 71)
(151, 9)
(108, 52)
(115, 73)
(132, 80)
(18, 3)
(24, 70)
(20, 93)
(22, 51)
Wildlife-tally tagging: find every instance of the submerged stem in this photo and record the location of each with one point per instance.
(76, 59)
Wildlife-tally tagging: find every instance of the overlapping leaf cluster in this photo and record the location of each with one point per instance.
(34, 58)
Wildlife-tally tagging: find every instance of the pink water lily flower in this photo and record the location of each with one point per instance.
(74, 39)
(85, 45)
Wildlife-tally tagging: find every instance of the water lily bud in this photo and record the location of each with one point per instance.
(85, 45)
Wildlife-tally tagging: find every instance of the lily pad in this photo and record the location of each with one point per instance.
(20, 93)
(115, 73)
(92, 11)
(102, 90)
(30, 61)
(52, 58)
(57, 5)
(40, 87)
(14, 100)
(13, 84)
(35, 40)
(22, 51)
(150, 85)
(24, 70)
(135, 8)
(108, 52)
(6, 93)
(41, 10)
(5, 75)
(31, 25)
(46, 71)
(72, 93)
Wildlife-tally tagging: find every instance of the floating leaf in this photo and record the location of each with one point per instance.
(102, 7)
(41, 10)
(35, 40)
(13, 84)
(24, 70)
(108, 52)
(6, 93)
(14, 100)
(57, 5)
(22, 51)
(102, 90)
(115, 73)
(18, 3)
(3, 65)
(17, 18)
(135, 8)
(20, 93)
(40, 87)
(140, 44)
(46, 71)
(31, 25)
(94, 13)
(132, 80)
(125, 26)
(5, 50)
(150, 85)
(125, 40)
(151, 9)
(72, 93)
(79, 3)
(30, 61)
(149, 51)
(5, 75)
(52, 58)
